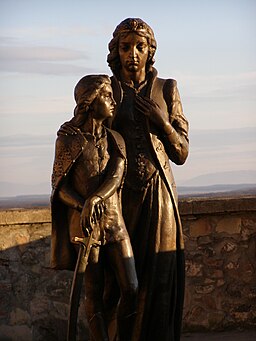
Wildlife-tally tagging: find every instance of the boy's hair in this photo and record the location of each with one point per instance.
(86, 90)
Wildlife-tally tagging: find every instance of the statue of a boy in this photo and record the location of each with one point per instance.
(87, 178)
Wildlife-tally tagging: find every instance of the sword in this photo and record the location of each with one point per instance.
(85, 244)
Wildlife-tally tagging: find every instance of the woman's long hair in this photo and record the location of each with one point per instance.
(129, 25)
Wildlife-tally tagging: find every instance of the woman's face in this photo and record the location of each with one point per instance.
(133, 52)
(104, 104)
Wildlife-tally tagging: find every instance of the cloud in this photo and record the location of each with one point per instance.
(45, 60)
(50, 32)
(39, 53)
(199, 139)
(219, 101)
(226, 149)
(25, 140)
(43, 68)
(221, 86)
(218, 138)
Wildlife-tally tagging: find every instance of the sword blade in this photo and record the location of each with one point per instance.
(77, 283)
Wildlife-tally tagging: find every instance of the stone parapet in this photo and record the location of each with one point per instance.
(213, 205)
(220, 241)
(25, 216)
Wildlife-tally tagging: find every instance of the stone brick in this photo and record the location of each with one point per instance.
(196, 314)
(209, 281)
(250, 291)
(213, 262)
(39, 231)
(60, 310)
(246, 233)
(234, 290)
(29, 257)
(220, 282)
(204, 289)
(204, 240)
(247, 271)
(201, 227)
(216, 273)
(210, 302)
(193, 269)
(39, 306)
(229, 247)
(15, 333)
(215, 319)
(230, 225)
(207, 251)
(232, 266)
(19, 317)
(187, 300)
(241, 316)
(190, 246)
(249, 223)
(5, 299)
(50, 329)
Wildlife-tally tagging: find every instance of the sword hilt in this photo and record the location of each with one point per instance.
(85, 241)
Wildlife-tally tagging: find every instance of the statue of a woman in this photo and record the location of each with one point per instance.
(150, 118)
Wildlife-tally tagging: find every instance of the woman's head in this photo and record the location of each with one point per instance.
(127, 26)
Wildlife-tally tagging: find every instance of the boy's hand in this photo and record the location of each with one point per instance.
(92, 211)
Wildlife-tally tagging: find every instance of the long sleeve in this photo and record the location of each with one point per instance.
(114, 177)
(69, 197)
(177, 142)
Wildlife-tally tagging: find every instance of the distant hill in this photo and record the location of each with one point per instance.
(9, 189)
(217, 190)
(28, 201)
(222, 178)
(25, 201)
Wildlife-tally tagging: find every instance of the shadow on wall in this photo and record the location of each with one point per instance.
(34, 299)
(220, 244)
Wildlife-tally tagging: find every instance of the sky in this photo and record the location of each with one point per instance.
(208, 46)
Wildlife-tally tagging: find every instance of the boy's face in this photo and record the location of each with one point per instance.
(104, 104)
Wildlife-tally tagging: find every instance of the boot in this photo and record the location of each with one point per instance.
(97, 327)
(125, 327)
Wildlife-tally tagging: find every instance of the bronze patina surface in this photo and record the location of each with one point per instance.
(88, 174)
(149, 116)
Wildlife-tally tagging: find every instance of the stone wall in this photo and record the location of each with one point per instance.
(220, 267)
(220, 239)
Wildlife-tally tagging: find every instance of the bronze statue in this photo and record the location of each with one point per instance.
(87, 178)
(150, 118)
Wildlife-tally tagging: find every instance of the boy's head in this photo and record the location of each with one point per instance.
(87, 89)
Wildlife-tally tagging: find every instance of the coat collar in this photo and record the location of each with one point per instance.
(117, 88)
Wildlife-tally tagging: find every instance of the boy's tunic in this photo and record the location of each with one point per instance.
(85, 164)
